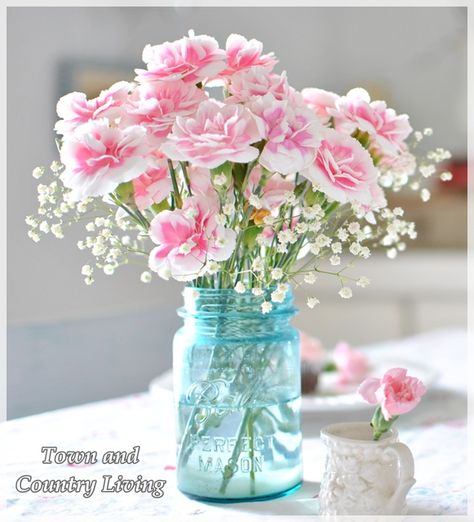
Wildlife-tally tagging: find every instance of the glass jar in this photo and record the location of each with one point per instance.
(238, 395)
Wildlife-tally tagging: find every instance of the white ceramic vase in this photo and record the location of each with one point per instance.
(363, 476)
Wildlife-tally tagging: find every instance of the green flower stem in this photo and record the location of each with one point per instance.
(379, 424)
(251, 454)
(186, 177)
(138, 217)
(174, 181)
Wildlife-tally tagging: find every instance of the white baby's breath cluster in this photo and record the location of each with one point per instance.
(110, 238)
(414, 171)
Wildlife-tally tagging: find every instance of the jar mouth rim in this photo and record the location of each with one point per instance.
(182, 312)
(247, 292)
(209, 303)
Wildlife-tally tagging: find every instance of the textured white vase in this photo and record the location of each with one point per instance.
(363, 476)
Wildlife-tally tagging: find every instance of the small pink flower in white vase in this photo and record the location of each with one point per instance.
(156, 105)
(320, 101)
(395, 393)
(97, 158)
(192, 59)
(257, 81)
(292, 132)
(154, 185)
(386, 129)
(274, 190)
(75, 109)
(352, 365)
(242, 54)
(343, 169)
(215, 134)
(187, 238)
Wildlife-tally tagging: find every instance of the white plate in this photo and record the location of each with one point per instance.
(330, 396)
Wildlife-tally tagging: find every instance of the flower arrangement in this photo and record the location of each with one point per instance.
(395, 393)
(255, 187)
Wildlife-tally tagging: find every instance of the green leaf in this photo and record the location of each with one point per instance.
(238, 172)
(362, 137)
(159, 207)
(226, 169)
(249, 236)
(329, 367)
(379, 424)
(124, 192)
(299, 189)
(312, 197)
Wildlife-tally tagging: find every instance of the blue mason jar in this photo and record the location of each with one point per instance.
(238, 394)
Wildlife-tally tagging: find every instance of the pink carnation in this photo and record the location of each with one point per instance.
(395, 392)
(352, 365)
(243, 54)
(187, 238)
(154, 185)
(75, 109)
(386, 129)
(311, 349)
(215, 134)
(201, 185)
(257, 81)
(192, 59)
(320, 101)
(343, 169)
(156, 105)
(274, 191)
(97, 158)
(403, 164)
(292, 133)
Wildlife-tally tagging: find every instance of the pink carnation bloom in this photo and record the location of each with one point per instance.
(257, 81)
(200, 180)
(192, 59)
(311, 349)
(243, 54)
(154, 185)
(215, 134)
(97, 158)
(187, 238)
(386, 129)
(395, 392)
(75, 109)
(403, 164)
(291, 130)
(274, 191)
(343, 169)
(201, 185)
(156, 105)
(320, 101)
(352, 365)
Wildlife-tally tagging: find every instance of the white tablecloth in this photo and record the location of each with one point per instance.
(436, 433)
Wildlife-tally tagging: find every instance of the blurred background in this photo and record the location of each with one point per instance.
(69, 343)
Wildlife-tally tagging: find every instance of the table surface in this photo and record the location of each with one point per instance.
(436, 433)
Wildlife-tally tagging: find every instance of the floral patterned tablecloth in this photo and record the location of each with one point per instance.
(436, 433)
